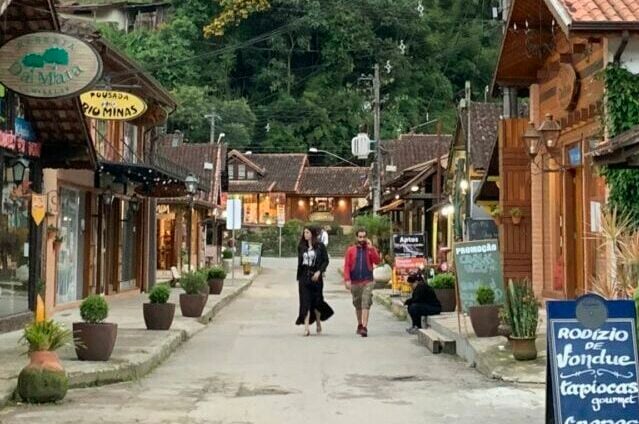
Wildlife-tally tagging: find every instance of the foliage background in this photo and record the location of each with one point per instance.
(294, 67)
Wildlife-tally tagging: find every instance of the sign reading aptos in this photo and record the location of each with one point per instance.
(48, 65)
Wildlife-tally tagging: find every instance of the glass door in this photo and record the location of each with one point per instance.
(69, 286)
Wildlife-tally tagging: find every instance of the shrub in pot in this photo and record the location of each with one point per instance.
(158, 313)
(44, 379)
(216, 276)
(484, 317)
(495, 212)
(192, 301)
(444, 286)
(227, 259)
(522, 315)
(95, 338)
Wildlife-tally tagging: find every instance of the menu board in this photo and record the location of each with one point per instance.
(251, 253)
(408, 245)
(478, 263)
(592, 355)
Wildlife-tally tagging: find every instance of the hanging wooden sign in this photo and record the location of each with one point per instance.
(38, 202)
(48, 65)
(112, 105)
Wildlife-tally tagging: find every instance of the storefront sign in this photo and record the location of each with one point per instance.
(112, 105)
(408, 245)
(24, 130)
(567, 87)
(478, 263)
(593, 374)
(12, 142)
(48, 65)
(251, 253)
(404, 266)
(574, 155)
(38, 207)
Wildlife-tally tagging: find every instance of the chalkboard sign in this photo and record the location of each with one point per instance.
(592, 358)
(408, 245)
(478, 263)
(482, 229)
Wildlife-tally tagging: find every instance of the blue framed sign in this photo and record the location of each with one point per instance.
(593, 373)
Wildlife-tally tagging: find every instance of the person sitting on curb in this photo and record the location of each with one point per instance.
(423, 301)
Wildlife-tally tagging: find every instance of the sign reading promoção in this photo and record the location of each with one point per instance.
(478, 263)
(48, 65)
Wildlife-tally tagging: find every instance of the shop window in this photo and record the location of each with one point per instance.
(69, 281)
(14, 233)
(249, 205)
(130, 153)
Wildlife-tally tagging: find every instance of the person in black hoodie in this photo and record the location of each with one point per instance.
(423, 301)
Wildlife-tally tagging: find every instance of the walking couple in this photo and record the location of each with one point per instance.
(359, 262)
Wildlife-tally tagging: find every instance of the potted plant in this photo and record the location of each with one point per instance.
(495, 212)
(383, 273)
(522, 314)
(216, 276)
(57, 242)
(192, 301)
(158, 314)
(246, 267)
(515, 215)
(227, 259)
(52, 230)
(95, 338)
(44, 379)
(484, 317)
(444, 286)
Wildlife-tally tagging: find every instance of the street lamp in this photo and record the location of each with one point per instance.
(191, 188)
(542, 140)
(316, 150)
(19, 167)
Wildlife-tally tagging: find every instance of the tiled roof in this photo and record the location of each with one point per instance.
(282, 173)
(411, 149)
(334, 181)
(600, 10)
(484, 121)
(192, 156)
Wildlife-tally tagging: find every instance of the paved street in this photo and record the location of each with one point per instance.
(251, 365)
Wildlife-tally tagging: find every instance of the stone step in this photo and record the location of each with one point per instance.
(436, 342)
(398, 309)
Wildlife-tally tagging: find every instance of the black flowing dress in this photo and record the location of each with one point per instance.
(311, 293)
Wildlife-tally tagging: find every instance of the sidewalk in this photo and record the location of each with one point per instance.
(490, 355)
(137, 350)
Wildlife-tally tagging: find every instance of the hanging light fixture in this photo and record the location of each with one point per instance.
(19, 168)
(550, 130)
(108, 196)
(532, 139)
(191, 184)
(414, 188)
(134, 204)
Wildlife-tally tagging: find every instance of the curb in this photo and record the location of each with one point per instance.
(145, 363)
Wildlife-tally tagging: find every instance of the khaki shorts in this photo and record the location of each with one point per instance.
(362, 295)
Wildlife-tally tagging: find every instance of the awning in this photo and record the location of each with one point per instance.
(394, 205)
(488, 191)
(621, 151)
(152, 181)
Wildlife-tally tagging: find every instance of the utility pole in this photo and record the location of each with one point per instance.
(212, 116)
(378, 149)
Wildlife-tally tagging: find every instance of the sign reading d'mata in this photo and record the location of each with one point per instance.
(112, 105)
(48, 65)
(592, 373)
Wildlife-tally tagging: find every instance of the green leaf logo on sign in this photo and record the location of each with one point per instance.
(48, 65)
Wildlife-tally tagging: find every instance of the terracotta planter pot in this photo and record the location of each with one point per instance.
(447, 299)
(516, 220)
(158, 316)
(246, 268)
(96, 341)
(44, 379)
(192, 305)
(524, 349)
(216, 285)
(497, 220)
(485, 320)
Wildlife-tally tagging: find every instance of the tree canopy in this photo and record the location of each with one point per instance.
(285, 75)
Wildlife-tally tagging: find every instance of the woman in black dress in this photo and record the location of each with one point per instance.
(312, 260)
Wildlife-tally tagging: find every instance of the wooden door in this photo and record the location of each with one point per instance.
(574, 234)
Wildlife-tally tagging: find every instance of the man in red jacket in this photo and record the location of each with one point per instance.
(359, 261)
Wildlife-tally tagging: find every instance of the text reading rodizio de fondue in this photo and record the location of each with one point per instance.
(596, 372)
